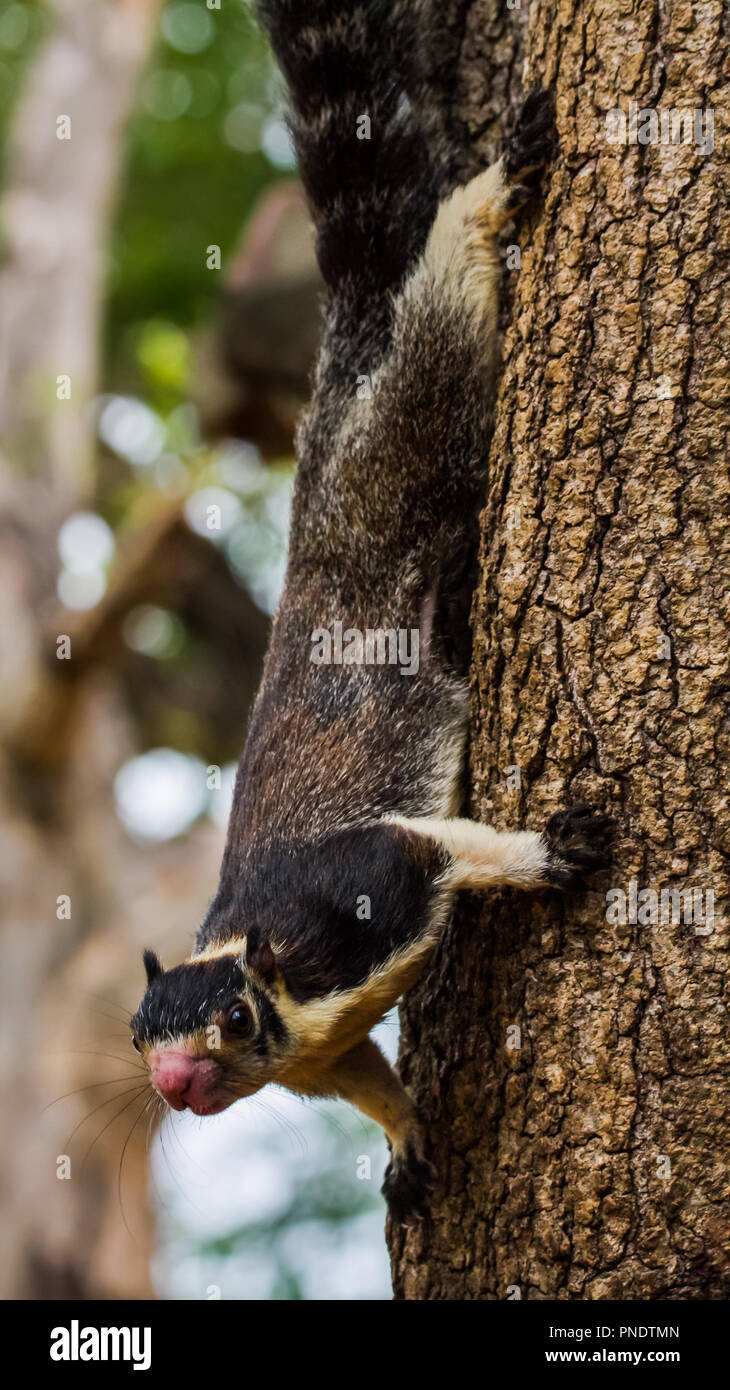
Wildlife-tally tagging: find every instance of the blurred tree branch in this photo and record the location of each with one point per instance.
(65, 728)
(253, 367)
(55, 211)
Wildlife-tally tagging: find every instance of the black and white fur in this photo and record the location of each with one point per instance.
(349, 787)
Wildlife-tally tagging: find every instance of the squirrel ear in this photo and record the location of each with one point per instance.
(259, 956)
(152, 965)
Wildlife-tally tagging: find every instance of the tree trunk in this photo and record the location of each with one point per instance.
(571, 1060)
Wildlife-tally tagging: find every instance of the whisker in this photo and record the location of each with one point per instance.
(168, 1164)
(109, 1004)
(328, 1117)
(288, 1127)
(93, 1087)
(154, 1114)
(171, 1167)
(101, 1013)
(109, 1101)
(292, 1126)
(174, 1130)
(125, 1037)
(114, 1117)
(147, 1103)
(90, 1052)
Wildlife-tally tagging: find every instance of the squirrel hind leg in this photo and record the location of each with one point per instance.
(477, 210)
(461, 253)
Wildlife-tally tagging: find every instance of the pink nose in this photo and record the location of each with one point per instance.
(180, 1078)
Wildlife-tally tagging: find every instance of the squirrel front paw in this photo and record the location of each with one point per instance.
(577, 841)
(528, 149)
(409, 1180)
(532, 141)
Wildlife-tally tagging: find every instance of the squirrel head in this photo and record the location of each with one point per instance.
(208, 1030)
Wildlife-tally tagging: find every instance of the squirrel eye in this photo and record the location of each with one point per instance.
(135, 1044)
(240, 1021)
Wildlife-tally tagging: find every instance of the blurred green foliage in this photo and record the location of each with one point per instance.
(204, 138)
(21, 27)
(195, 167)
(208, 106)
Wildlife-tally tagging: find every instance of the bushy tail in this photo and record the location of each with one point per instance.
(362, 158)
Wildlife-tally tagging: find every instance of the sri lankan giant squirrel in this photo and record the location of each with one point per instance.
(345, 848)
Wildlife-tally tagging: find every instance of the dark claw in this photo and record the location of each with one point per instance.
(578, 820)
(556, 822)
(519, 194)
(588, 858)
(535, 104)
(531, 144)
(409, 1180)
(570, 860)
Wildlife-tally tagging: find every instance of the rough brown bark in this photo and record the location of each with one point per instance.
(590, 1161)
